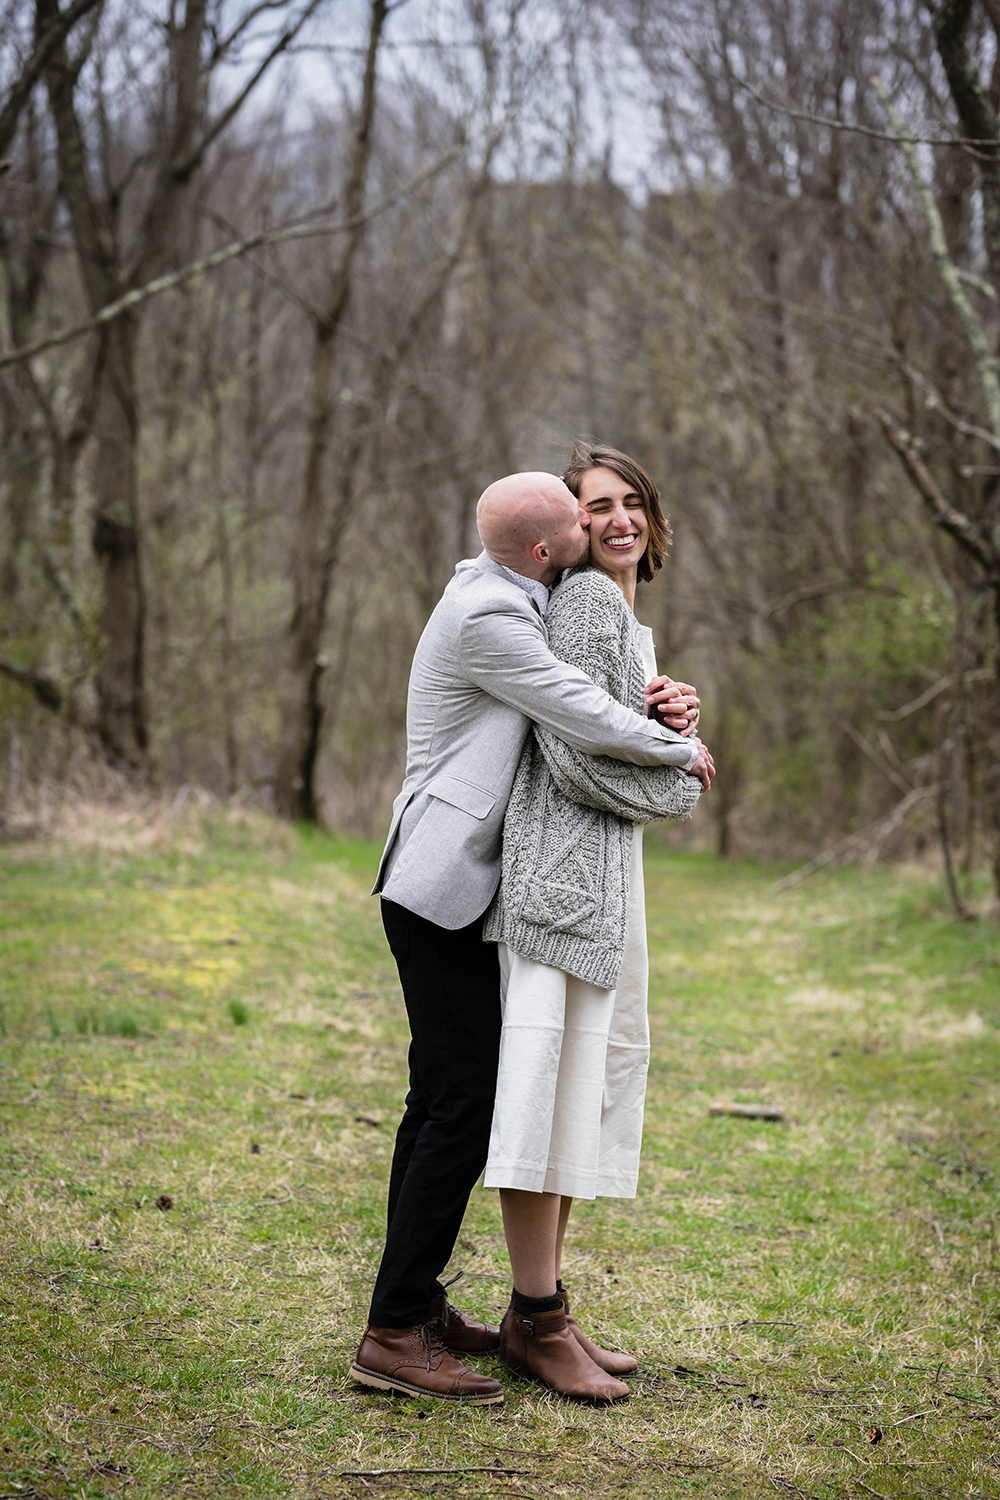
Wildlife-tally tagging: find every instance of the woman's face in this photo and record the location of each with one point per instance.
(619, 531)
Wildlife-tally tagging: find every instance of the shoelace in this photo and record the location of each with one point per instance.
(446, 1307)
(431, 1341)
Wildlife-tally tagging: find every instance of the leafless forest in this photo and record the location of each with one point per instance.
(287, 282)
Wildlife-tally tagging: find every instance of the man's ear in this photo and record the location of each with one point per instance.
(540, 552)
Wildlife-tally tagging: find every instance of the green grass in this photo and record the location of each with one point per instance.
(201, 1066)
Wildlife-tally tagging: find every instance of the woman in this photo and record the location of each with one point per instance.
(570, 923)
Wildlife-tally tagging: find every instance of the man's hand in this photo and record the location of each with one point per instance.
(675, 704)
(703, 768)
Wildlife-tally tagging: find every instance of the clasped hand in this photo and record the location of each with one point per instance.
(677, 705)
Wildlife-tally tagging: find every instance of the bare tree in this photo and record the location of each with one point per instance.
(129, 219)
(313, 554)
(966, 506)
(800, 249)
(48, 38)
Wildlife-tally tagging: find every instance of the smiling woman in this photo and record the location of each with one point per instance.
(619, 531)
(629, 534)
(569, 922)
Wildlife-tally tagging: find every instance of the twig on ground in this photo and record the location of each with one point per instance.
(747, 1111)
(138, 1432)
(745, 1323)
(877, 1493)
(779, 1480)
(521, 1453)
(659, 1463)
(272, 1202)
(454, 1469)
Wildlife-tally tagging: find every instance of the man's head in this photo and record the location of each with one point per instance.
(533, 525)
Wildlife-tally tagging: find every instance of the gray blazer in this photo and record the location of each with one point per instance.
(482, 671)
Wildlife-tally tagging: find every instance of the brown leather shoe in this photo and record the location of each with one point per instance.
(459, 1333)
(414, 1362)
(611, 1360)
(542, 1347)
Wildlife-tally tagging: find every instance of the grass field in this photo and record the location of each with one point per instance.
(201, 1067)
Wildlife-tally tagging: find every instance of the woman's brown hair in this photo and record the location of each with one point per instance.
(596, 456)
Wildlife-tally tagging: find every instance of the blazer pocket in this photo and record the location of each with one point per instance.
(474, 800)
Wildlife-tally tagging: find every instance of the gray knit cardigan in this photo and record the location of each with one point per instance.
(567, 834)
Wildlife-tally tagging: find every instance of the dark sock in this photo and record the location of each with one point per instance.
(526, 1306)
(559, 1286)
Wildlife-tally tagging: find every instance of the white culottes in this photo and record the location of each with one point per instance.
(572, 1079)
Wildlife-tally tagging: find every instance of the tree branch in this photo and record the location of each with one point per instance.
(183, 169)
(976, 111)
(986, 365)
(878, 760)
(873, 835)
(777, 608)
(91, 228)
(934, 401)
(306, 230)
(224, 45)
(846, 127)
(48, 693)
(950, 20)
(45, 47)
(894, 715)
(960, 526)
(355, 188)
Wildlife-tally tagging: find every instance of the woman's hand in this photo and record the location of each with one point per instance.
(675, 704)
(703, 768)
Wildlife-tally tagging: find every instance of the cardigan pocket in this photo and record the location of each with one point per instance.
(571, 869)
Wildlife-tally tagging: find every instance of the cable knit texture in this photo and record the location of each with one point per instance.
(567, 834)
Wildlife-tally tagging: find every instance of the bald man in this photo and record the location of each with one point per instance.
(482, 672)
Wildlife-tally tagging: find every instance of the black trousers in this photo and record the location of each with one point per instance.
(451, 986)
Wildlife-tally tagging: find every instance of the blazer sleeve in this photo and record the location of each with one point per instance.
(504, 652)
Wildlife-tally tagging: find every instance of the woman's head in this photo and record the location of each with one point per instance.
(637, 483)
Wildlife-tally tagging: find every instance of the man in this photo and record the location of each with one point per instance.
(482, 671)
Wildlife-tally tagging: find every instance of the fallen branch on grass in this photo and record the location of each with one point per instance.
(746, 1323)
(877, 1493)
(778, 1481)
(456, 1469)
(873, 835)
(139, 1433)
(747, 1111)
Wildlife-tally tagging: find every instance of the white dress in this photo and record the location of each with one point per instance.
(573, 1063)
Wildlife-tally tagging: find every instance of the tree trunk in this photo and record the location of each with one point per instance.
(121, 702)
(121, 711)
(108, 269)
(314, 557)
(977, 113)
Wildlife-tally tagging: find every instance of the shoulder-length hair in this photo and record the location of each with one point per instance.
(596, 456)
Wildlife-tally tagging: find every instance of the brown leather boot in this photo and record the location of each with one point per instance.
(414, 1362)
(542, 1347)
(611, 1360)
(459, 1333)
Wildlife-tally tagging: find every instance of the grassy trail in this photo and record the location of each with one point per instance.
(201, 1067)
